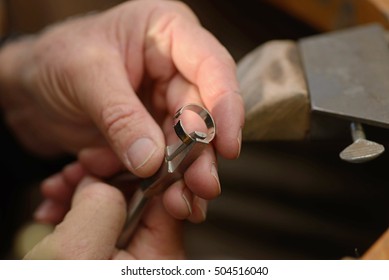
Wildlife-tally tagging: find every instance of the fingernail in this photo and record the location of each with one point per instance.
(186, 197)
(202, 205)
(43, 210)
(239, 141)
(140, 152)
(215, 175)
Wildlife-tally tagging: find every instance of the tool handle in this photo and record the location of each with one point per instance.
(135, 209)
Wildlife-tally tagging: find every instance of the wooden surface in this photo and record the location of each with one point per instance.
(335, 14)
(275, 93)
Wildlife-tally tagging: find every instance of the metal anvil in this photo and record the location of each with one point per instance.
(315, 88)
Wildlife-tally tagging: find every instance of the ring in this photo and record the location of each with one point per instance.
(195, 136)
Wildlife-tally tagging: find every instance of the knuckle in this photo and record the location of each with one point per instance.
(81, 59)
(173, 9)
(119, 117)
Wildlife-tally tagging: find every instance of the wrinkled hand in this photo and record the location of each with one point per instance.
(91, 228)
(115, 79)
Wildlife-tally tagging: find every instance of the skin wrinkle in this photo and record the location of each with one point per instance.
(214, 90)
(116, 118)
(168, 27)
(68, 109)
(153, 44)
(47, 80)
(128, 46)
(101, 198)
(162, 78)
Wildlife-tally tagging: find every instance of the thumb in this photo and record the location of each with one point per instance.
(90, 229)
(104, 90)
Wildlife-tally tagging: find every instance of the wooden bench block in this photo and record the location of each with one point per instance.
(275, 93)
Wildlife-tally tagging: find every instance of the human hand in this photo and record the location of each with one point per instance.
(91, 228)
(117, 78)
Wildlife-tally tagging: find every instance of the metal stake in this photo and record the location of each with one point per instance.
(361, 150)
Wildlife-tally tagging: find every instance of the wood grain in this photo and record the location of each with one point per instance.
(275, 93)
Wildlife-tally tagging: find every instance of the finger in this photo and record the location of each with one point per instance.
(199, 210)
(60, 186)
(177, 200)
(181, 92)
(212, 70)
(58, 190)
(181, 203)
(51, 212)
(106, 93)
(205, 63)
(90, 229)
(159, 235)
(100, 161)
(202, 176)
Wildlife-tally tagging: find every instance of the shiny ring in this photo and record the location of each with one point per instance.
(195, 135)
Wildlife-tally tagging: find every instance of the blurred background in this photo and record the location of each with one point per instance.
(281, 199)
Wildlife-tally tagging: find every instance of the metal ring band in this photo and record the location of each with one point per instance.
(204, 114)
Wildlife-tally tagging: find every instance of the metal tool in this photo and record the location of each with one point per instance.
(178, 157)
(346, 72)
(361, 150)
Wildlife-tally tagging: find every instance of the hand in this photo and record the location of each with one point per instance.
(91, 228)
(116, 78)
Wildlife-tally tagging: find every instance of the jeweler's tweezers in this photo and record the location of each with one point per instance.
(178, 157)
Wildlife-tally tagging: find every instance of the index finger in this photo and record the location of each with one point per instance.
(208, 65)
(203, 61)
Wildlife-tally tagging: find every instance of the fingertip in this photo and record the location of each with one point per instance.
(177, 200)
(229, 118)
(100, 161)
(200, 207)
(50, 212)
(202, 176)
(41, 213)
(215, 175)
(55, 188)
(73, 173)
